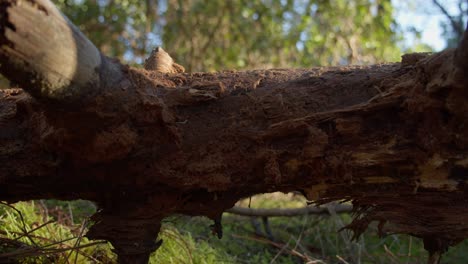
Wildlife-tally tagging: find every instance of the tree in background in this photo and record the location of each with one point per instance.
(208, 35)
(454, 23)
(215, 35)
(116, 27)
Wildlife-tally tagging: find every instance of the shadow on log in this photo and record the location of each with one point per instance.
(148, 143)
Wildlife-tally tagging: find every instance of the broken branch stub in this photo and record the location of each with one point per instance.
(160, 61)
(44, 53)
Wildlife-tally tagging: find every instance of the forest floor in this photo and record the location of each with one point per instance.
(46, 230)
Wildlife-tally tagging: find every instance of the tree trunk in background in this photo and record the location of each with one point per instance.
(145, 144)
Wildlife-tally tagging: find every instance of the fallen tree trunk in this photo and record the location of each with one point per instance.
(147, 143)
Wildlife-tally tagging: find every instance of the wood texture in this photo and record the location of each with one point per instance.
(43, 51)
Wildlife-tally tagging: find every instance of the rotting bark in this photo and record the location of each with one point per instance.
(143, 145)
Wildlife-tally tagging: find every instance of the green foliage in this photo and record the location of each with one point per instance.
(39, 236)
(314, 239)
(30, 235)
(183, 248)
(252, 34)
(43, 240)
(115, 27)
(72, 212)
(206, 35)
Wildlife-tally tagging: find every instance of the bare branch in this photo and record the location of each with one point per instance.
(339, 208)
(456, 27)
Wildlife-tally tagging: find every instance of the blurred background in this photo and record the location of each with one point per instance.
(209, 35)
(206, 35)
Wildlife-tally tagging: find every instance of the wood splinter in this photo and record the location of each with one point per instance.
(160, 61)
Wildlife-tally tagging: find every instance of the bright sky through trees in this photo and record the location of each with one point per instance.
(426, 18)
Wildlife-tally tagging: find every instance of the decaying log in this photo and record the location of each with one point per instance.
(143, 144)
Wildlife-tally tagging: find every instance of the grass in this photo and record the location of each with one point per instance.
(52, 232)
(37, 238)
